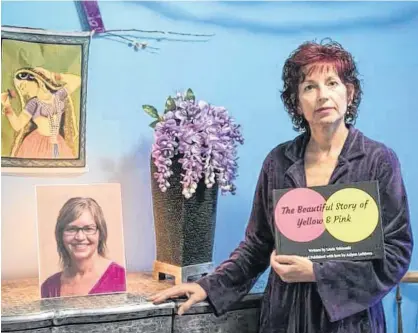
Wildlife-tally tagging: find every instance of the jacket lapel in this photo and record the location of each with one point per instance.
(353, 148)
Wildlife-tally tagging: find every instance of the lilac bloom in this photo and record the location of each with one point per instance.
(206, 137)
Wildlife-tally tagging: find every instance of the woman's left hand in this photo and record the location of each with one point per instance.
(292, 268)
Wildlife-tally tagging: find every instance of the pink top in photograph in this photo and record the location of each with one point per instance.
(113, 280)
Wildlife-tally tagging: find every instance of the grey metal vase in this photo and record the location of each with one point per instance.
(184, 228)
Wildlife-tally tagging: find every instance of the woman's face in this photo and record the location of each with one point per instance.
(81, 237)
(323, 98)
(27, 84)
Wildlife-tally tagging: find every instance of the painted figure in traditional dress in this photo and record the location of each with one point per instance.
(46, 127)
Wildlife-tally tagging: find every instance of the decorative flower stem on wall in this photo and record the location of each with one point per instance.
(134, 38)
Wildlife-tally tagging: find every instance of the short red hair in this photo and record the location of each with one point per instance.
(329, 53)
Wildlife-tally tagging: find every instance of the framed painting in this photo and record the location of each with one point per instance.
(43, 98)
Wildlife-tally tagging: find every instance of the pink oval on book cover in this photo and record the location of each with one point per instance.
(299, 215)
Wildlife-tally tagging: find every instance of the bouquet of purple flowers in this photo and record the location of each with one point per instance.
(200, 136)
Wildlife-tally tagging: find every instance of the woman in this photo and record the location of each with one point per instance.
(322, 94)
(47, 106)
(81, 235)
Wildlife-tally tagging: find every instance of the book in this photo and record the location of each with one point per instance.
(333, 222)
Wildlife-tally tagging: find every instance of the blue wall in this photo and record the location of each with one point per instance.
(239, 68)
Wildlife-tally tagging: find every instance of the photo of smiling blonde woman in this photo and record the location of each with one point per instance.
(81, 235)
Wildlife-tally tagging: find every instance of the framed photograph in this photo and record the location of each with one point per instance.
(80, 240)
(43, 98)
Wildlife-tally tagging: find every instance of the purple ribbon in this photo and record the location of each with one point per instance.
(94, 18)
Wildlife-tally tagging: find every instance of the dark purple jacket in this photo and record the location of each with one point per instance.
(347, 295)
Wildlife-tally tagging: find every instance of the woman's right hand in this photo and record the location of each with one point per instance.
(5, 102)
(5, 99)
(192, 291)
